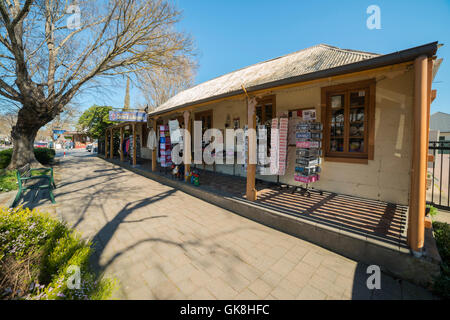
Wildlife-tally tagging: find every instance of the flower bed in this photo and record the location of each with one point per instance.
(41, 258)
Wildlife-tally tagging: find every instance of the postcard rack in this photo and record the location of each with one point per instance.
(308, 156)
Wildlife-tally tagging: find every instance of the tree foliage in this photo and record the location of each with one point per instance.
(95, 120)
(48, 56)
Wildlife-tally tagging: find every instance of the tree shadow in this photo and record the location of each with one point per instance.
(104, 235)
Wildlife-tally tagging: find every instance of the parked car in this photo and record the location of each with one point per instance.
(40, 144)
(89, 147)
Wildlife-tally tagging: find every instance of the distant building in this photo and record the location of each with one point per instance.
(80, 139)
(440, 122)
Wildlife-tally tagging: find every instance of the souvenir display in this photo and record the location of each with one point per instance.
(165, 146)
(262, 168)
(278, 146)
(309, 137)
(131, 148)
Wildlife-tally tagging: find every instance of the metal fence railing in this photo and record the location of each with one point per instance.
(438, 175)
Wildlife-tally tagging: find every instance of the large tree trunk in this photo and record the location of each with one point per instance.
(23, 135)
(23, 150)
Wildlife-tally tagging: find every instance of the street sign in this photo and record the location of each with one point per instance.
(128, 116)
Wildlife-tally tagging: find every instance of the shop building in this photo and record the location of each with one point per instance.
(375, 113)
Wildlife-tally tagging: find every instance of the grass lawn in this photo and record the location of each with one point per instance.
(8, 180)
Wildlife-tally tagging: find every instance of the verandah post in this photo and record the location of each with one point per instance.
(251, 159)
(106, 144)
(155, 150)
(121, 142)
(134, 144)
(187, 143)
(416, 230)
(111, 144)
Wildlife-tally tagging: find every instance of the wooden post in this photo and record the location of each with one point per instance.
(134, 144)
(106, 144)
(251, 159)
(187, 144)
(155, 150)
(111, 146)
(121, 142)
(416, 230)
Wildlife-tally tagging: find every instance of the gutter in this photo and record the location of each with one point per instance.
(411, 54)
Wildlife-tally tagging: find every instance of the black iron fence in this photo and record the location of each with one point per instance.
(438, 175)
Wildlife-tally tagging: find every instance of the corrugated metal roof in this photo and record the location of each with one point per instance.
(440, 121)
(313, 59)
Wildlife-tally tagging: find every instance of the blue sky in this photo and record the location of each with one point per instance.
(233, 34)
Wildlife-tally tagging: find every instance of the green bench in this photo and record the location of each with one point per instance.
(25, 175)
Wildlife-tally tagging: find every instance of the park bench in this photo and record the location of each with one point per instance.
(25, 175)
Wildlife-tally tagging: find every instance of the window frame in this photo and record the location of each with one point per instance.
(262, 102)
(369, 121)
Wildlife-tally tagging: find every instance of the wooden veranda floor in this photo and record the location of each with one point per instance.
(382, 221)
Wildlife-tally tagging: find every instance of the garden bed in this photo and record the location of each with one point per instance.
(41, 258)
(442, 236)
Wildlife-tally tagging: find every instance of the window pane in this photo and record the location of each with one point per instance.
(259, 115)
(356, 121)
(356, 145)
(337, 123)
(268, 115)
(337, 144)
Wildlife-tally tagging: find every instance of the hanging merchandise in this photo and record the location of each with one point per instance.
(151, 139)
(262, 168)
(309, 137)
(175, 134)
(165, 146)
(245, 148)
(131, 148)
(283, 132)
(278, 146)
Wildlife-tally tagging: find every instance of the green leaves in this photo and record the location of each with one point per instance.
(50, 248)
(95, 120)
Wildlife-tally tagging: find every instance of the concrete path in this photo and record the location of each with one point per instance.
(164, 244)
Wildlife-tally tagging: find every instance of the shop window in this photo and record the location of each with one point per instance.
(348, 120)
(265, 110)
(206, 117)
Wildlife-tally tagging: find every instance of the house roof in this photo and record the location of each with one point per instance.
(311, 63)
(440, 121)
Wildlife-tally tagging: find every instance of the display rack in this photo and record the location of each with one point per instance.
(165, 146)
(308, 153)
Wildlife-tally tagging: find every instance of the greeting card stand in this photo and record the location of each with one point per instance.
(308, 153)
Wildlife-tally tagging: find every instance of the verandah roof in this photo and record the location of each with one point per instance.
(312, 63)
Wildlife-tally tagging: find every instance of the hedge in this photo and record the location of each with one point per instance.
(43, 155)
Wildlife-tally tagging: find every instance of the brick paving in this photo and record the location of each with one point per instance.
(161, 243)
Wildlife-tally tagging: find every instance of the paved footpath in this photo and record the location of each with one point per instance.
(165, 244)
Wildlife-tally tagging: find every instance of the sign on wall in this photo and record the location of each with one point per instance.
(128, 116)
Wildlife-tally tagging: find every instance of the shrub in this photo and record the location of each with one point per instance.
(36, 254)
(442, 236)
(433, 211)
(5, 158)
(43, 155)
